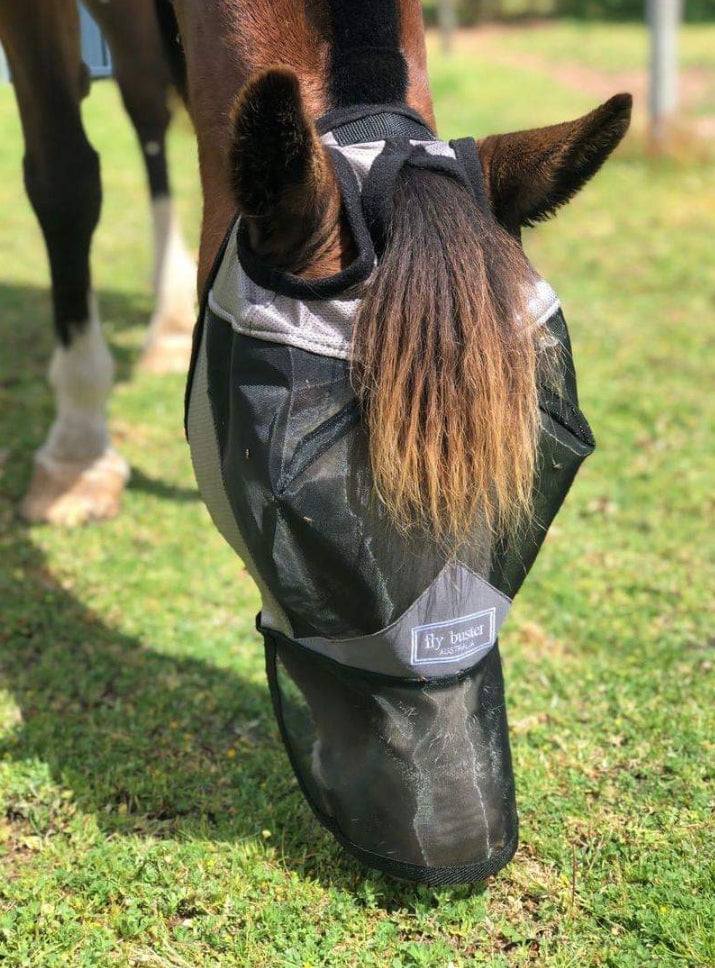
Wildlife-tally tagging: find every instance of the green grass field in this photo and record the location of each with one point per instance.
(610, 47)
(148, 816)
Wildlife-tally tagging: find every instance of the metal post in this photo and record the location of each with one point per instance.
(447, 12)
(664, 20)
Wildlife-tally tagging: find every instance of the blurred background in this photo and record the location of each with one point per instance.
(136, 734)
(663, 51)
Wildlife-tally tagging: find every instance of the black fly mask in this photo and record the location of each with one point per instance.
(381, 650)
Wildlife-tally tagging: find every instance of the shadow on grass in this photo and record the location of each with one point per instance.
(26, 321)
(139, 481)
(153, 745)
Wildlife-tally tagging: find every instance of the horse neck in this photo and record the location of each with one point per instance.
(414, 48)
(230, 41)
(304, 35)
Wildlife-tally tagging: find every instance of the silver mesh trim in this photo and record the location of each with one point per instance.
(323, 326)
(449, 628)
(319, 326)
(362, 156)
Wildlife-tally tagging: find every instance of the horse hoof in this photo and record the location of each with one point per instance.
(167, 353)
(70, 493)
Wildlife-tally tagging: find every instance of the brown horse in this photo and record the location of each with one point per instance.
(439, 324)
(369, 327)
(78, 476)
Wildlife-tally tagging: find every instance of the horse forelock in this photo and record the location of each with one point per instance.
(443, 370)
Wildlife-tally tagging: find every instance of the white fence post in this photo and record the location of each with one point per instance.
(664, 21)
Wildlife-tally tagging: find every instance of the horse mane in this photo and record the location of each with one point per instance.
(367, 65)
(444, 366)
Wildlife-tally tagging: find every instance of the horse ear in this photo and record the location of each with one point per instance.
(282, 179)
(530, 174)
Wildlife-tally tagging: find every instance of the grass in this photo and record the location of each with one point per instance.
(148, 816)
(614, 57)
(610, 47)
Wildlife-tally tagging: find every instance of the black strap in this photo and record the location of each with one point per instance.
(379, 186)
(467, 153)
(374, 122)
(287, 284)
(379, 127)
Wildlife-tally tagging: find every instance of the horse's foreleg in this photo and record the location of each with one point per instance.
(143, 76)
(77, 475)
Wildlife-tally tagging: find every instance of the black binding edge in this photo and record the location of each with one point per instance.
(565, 413)
(287, 284)
(199, 326)
(335, 119)
(469, 873)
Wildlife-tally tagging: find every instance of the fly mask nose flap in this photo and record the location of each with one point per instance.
(413, 777)
(417, 711)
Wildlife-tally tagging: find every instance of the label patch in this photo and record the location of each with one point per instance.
(457, 638)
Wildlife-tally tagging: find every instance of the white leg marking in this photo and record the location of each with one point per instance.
(174, 268)
(81, 377)
(168, 342)
(78, 476)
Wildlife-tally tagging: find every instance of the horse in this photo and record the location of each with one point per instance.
(78, 476)
(528, 176)
(381, 406)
